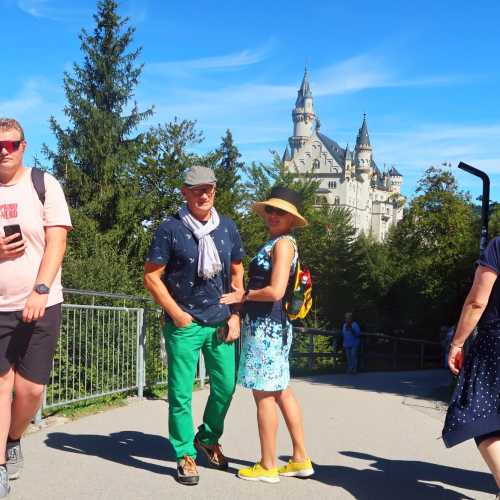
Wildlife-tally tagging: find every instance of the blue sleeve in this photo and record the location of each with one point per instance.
(237, 252)
(356, 330)
(491, 257)
(161, 247)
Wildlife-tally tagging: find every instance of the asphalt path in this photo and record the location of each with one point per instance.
(370, 436)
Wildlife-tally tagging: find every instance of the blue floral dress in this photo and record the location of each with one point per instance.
(267, 332)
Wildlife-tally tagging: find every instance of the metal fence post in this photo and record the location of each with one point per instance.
(311, 352)
(140, 374)
(395, 354)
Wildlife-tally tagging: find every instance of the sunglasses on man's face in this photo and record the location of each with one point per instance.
(200, 191)
(273, 210)
(10, 146)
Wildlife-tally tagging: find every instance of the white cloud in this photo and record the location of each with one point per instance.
(187, 67)
(55, 10)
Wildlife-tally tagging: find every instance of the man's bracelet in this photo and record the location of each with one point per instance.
(457, 346)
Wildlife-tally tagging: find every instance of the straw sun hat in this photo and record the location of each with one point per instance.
(286, 199)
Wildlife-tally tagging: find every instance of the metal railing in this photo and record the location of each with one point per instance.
(112, 343)
(107, 349)
(314, 350)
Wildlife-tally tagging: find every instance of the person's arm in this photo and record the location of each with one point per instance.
(472, 310)
(55, 248)
(234, 323)
(282, 256)
(356, 330)
(154, 284)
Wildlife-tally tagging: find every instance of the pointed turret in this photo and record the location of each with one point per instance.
(364, 150)
(348, 153)
(304, 91)
(303, 116)
(286, 155)
(363, 138)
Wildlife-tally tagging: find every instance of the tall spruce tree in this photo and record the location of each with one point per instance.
(97, 151)
(96, 156)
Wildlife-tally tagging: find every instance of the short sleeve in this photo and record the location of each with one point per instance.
(355, 328)
(237, 251)
(491, 256)
(161, 246)
(55, 208)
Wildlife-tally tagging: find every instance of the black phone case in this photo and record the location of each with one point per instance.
(13, 229)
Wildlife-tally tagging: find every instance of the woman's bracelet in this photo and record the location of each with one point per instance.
(457, 346)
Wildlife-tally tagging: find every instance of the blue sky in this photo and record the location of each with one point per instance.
(426, 73)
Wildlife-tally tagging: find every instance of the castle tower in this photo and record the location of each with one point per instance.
(395, 180)
(363, 152)
(349, 165)
(303, 116)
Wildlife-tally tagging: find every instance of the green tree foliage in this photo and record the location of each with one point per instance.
(432, 251)
(97, 152)
(228, 168)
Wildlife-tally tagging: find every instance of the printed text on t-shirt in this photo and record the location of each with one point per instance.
(8, 211)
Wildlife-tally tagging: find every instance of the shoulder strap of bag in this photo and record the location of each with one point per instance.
(38, 180)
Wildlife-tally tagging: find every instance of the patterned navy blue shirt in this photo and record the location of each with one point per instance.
(175, 246)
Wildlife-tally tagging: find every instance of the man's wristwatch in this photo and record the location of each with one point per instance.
(41, 288)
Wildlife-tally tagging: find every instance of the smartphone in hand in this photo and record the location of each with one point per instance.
(13, 229)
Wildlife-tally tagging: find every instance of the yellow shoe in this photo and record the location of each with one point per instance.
(297, 469)
(258, 473)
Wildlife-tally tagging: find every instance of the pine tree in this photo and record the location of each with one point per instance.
(98, 150)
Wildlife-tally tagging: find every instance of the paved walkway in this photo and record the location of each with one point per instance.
(371, 436)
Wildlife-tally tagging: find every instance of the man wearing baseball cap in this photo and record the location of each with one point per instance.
(195, 257)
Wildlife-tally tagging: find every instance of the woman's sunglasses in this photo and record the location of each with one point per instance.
(10, 146)
(273, 210)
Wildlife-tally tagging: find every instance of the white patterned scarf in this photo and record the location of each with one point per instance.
(209, 263)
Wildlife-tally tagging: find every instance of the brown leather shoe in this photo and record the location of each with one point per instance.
(187, 473)
(213, 454)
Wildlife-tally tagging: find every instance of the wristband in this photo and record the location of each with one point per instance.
(457, 346)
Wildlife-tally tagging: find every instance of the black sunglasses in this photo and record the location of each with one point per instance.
(273, 210)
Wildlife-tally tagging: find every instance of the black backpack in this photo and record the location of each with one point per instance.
(38, 180)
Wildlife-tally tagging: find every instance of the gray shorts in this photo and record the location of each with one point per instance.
(29, 347)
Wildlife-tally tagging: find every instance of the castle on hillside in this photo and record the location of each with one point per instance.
(349, 179)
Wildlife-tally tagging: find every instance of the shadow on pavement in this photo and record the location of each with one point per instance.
(120, 447)
(401, 479)
(425, 384)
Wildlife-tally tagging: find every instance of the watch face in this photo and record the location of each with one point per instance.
(41, 288)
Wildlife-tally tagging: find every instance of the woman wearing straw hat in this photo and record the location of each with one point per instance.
(267, 337)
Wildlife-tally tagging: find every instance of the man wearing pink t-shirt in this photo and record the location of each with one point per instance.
(33, 234)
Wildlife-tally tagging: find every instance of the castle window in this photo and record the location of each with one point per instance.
(316, 164)
(332, 184)
(336, 200)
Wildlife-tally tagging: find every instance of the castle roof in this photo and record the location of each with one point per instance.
(363, 137)
(286, 155)
(304, 91)
(333, 148)
(394, 173)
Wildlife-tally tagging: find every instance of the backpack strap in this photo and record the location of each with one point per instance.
(38, 180)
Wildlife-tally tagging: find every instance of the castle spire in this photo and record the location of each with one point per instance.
(304, 91)
(363, 138)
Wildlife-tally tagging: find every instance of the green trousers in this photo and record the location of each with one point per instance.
(183, 350)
